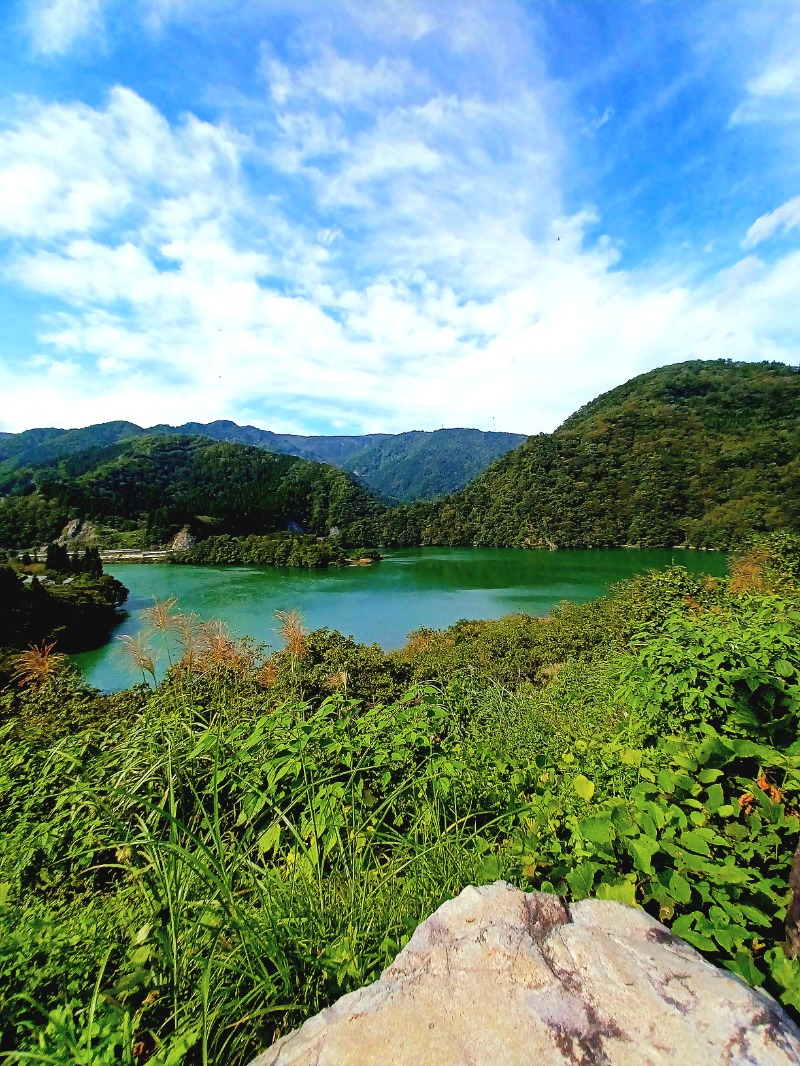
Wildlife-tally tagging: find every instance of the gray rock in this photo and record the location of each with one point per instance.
(77, 533)
(182, 541)
(499, 977)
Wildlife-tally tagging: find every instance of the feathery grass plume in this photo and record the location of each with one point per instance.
(139, 652)
(217, 649)
(36, 664)
(748, 571)
(160, 615)
(338, 681)
(268, 674)
(292, 631)
(189, 636)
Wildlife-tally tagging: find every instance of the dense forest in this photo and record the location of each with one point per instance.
(65, 600)
(274, 549)
(423, 466)
(700, 453)
(153, 486)
(394, 466)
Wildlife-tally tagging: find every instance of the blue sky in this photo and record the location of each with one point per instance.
(339, 216)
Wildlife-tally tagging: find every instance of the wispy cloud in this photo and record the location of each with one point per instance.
(781, 220)
(388, 221)
(56, 26)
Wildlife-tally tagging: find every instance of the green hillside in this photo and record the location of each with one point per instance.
(154, 485)
(697, 453)
(422, 466)
(398, 467)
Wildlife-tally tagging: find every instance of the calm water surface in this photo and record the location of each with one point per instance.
(423, 586)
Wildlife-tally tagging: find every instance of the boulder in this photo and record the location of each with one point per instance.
(499, 977)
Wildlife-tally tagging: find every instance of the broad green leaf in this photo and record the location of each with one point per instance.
(581, 879)
(622, 891)
(666, 781)
(597, 829)
(643, 851)
(630, 757)
(679, 887)
(584, 787)
(488, 871)
(694, 842)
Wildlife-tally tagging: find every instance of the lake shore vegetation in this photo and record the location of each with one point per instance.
(193, 867)
(273, 549)
(65, 600)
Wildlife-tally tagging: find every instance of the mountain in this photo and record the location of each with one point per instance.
(397, 467)
(153, 485)
(333, 450)
(699, 453)
(421, 466)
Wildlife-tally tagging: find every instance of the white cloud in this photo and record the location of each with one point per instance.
(392, 20)
(55, 26)
(381, 245)
(783, 218)
(70, 169)
(336, 79)
(772, 93)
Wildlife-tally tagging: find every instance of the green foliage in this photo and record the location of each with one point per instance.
(330, 662)
(164, 483)
(517, 648)
(76, 610)
(736, 670)
(59, 561)
(702, 453)
(705, 843)
(275, 549)
(187, 873)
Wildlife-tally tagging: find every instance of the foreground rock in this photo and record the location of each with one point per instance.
(499, 977)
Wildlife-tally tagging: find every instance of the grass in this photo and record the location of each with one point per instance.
(216, 880)
(190, 870)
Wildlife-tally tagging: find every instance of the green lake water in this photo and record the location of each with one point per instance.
(383, 603)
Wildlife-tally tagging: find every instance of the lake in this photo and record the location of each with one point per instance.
(384, 602)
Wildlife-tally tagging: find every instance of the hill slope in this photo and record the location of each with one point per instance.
(697, 453)
(398, 467)
(421, 466)
(157, 484)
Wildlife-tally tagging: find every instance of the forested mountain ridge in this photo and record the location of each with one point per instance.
(398, 467)
(422, 466)
(698, 453)
(152, 486)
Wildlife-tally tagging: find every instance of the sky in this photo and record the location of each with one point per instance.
(350, 216)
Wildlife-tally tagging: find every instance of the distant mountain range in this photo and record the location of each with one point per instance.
(399, 467)
(702, 453)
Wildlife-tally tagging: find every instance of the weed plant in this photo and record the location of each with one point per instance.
(191, 869)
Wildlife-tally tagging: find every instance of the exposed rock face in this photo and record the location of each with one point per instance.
(76, 532)
(499, 977)
(182, 541)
